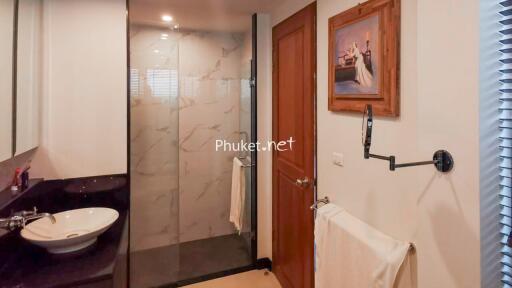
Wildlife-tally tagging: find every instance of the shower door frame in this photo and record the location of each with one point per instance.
(256, 263)
(254, 139)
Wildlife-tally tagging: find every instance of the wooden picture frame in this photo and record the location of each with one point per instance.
(364, 58)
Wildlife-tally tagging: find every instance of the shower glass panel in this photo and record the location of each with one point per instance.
(210, 109)
(246, 135)
(154, 156)
(190, 87)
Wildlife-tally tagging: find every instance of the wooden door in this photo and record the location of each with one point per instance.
(293, 93)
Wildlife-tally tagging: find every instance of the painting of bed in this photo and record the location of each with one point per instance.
(356, 58)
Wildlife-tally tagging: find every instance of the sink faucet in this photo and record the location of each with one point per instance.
(20, 219)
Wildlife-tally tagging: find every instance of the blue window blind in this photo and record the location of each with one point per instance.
(505, 116)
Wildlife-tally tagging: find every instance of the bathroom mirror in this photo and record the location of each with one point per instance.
(6, 79)
(28, 90)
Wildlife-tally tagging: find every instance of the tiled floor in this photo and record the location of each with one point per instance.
(251, 279)
(166, 265)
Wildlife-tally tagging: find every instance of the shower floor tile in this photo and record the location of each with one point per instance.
(169, 264)
(251, 279)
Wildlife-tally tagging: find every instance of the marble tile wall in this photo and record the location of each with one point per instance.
(210, 93)
(180, 183)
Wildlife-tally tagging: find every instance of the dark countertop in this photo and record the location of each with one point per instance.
(102, 265)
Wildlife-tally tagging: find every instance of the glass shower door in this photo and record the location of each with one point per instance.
(154, 157)
(190, 86)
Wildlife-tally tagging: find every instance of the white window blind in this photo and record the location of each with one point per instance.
(163, 82)
(505, 111)
(135, 86)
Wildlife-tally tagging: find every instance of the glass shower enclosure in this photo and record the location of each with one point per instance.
(190, 87)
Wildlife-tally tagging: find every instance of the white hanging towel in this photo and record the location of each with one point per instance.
(236, 211)
(351, 254)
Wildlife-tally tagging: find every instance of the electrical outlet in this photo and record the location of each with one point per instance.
(337, 159)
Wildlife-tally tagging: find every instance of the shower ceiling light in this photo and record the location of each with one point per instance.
(167, 18)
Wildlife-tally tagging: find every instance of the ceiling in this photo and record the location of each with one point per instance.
(210, 15)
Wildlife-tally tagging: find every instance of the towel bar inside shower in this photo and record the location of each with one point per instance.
(243, 160)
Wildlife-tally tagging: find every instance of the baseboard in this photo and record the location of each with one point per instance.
(264, 263)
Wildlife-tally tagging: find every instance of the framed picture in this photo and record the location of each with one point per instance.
(364, 58)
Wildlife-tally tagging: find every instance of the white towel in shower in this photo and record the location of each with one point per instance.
(236, 212)
(351, 254)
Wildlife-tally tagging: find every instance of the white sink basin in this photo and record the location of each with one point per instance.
(73, 231)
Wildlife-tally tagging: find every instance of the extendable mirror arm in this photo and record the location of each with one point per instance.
(442, 159)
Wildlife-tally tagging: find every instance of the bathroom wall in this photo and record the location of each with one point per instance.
(264, 131)
(84, 89)
(439, 109)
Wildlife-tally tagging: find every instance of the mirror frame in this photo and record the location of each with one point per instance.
(9, 65)
(14, 88)
(28, 59)
(15, 77)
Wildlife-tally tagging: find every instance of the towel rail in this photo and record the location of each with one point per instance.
(324, 201)
(243, 164)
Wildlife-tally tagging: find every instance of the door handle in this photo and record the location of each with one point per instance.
(302, 182)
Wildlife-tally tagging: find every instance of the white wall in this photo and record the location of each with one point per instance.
(84, 94)
(264, 133)
(286, 9)
(439, 109)
(439, 104)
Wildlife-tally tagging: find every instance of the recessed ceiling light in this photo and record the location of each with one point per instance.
(176, 26)
(167, 18)
(156, 51)
(164, 35)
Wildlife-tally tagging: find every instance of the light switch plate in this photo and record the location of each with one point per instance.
(337, 159)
